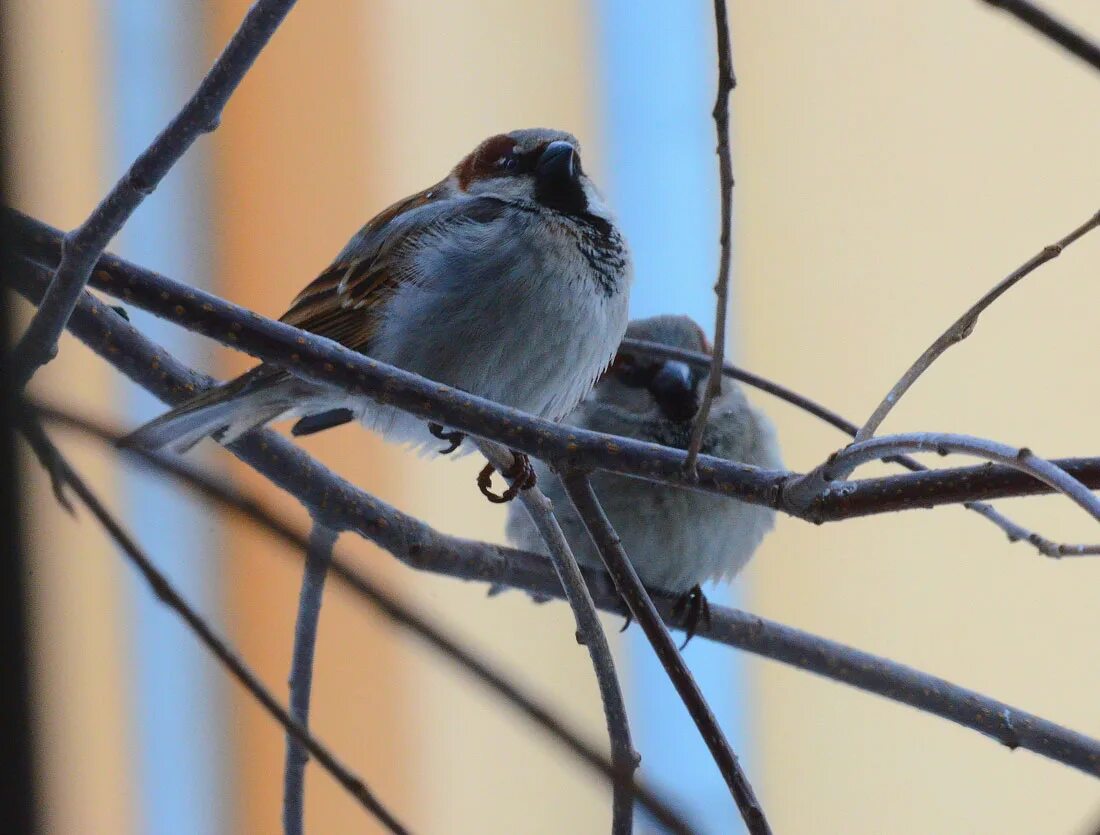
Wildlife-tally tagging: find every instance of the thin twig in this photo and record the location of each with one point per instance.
(401, 613)
(1052, 28)
(56, 463)
(318, 557)
(964, 326)
(327, 362)
(1012, 529)
(83, 246)
(615, 560)
(590, 633)
(721, 113)
(423, 549)
(803, 491)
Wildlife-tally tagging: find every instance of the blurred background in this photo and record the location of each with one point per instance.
(893, 161)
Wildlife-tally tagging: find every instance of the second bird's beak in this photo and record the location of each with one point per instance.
(558, 162)
(673, 387)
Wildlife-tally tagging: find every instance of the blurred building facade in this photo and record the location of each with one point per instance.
(892, 163)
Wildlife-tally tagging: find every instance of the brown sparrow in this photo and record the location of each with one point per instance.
(508, 279)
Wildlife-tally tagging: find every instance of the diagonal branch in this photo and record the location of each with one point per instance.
(615, 560)
(1052, 28)
(590, 633)
(726, 82)
(83, 246)
(60, 468)
(422, 548)
(318, 556)
(964, 326)
(253, 509)
(1014, 531)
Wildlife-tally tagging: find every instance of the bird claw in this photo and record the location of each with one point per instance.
(451, 436)
(692, 608)
(521, 472)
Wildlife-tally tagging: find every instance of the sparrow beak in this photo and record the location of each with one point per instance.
(557, 163)
(673, 387)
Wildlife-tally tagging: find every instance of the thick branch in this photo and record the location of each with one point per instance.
(590, 633)
(1052, 28)
(83, 246)
(62, 472)
(628, 584)
(726, 82)
(325, 361)
(425, 549)
(318, 556)
(964, 326)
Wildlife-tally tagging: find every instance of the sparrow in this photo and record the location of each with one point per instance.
(676, 539)
(508, 279)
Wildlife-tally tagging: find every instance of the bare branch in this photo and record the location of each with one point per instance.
(318, 557)
(1014, 531)
(167, 594)
(804, 491)
(83, 246)
(1052, 28)
(419, 547)
(590, 633)
(615, 560)
(726, 82)
(403, 615)
(964, 326)
(326, 362)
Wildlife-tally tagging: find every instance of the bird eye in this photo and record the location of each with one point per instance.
(508, 162)
(631, 372)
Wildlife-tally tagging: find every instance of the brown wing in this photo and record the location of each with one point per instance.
(342, 302)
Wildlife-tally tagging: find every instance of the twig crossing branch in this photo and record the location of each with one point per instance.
(83, 246)
(726, 83)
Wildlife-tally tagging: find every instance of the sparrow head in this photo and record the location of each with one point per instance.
(654, 387)
(535, 165)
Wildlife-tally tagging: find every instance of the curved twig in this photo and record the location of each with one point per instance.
(83, 246)
(1013, 530)
(579, 488)
(57, 465)
(721, 114)
(318, 557)
(590, 633)
(964, 326)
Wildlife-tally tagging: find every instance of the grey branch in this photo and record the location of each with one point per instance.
(59, 468)
(83, 246)
(318, 557)
(422, 548)
(610, 548)
(1052, 28)
(964, 326)
(400, 613)
(1014, 531)
(326, 362)
(590, 633)
(721, 114)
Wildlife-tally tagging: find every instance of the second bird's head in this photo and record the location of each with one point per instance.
(653, 387)
(535, 166)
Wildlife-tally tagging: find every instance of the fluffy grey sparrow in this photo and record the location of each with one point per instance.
(508, 280)
(676, 539)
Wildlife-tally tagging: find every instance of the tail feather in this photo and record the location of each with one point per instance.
(225, 412)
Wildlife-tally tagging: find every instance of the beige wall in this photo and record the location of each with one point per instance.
(894, 161)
